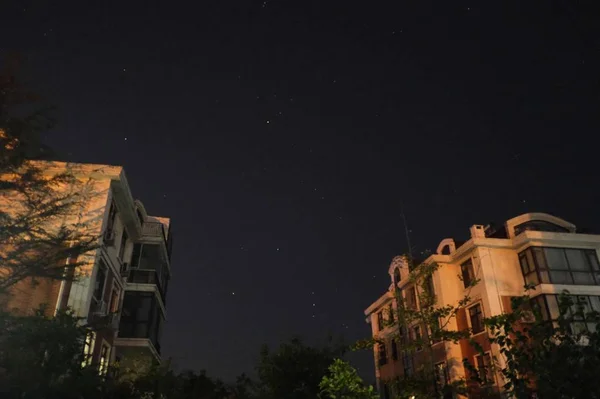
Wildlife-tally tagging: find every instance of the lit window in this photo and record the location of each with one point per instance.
(88, 349)
(104, 358)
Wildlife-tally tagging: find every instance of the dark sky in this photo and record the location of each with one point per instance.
(282, 136)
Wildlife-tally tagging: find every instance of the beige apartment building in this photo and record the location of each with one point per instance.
(535, 248)
(123, 284)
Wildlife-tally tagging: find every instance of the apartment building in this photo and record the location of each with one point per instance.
(123, 284)
(534, 248)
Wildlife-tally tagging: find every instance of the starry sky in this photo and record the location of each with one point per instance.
(282, 137)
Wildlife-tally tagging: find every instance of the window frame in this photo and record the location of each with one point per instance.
(101, 266)
(381, 354)
(470, 275)
(482, 317)
(411, 297)
(380, 321)
(535, 266)
(489, 378)
(104, 364)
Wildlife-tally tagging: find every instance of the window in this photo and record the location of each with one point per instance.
(380, 324)
(583, 305)
(429, 287)
(476, 318)
(397, 277)
(394, 350)
(560, 266)
(539, 225)
(122, 245)
(104, 358)
(441, 374)
(468, 275)
(411, 298)
(386, 390)
(382, 357)
(407, 362)
(88, 348)
(113, 306)
(100, 281)
(484, 367)
(391, 314)
(110, 223)
(417, 337)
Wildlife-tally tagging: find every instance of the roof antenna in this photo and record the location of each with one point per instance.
(406, 232)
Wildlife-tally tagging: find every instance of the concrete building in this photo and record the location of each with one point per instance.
(535, 248)
(123, 284)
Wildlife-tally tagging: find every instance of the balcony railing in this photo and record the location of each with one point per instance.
(141, 276)
(157, 229)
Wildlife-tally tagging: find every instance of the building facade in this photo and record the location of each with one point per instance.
(534, 248)
(122, 286)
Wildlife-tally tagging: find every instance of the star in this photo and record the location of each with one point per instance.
(277, 249)
(314, 304)
(125, 138)
(233, 293)
(268, 121)
(124, 69)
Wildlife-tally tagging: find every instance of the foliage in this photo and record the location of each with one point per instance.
(42, 230)
(343, 382)
(295, 370)
(556, 359)
(42, 357)
(434, 322)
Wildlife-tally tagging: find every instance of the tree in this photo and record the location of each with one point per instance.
(295, 370)
(42, 357)
(43, 231)
(433, 322)
(556, 356)
(343, 382)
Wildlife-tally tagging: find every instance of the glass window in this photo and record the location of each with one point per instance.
(114, 300)
(417, 336)
(88, 348)
(122, 245)
(411, 298)
(441, 374)
(407, 362)
(476, 317)
(104, 358)
(110, 223)
(382, 354)
(484, 366)
(468, 275)
(100, 281)
(394, 350)
(556, 259)
(380, 325)
(559, 266)
(429, 286)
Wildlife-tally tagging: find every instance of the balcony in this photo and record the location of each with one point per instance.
(141, 276)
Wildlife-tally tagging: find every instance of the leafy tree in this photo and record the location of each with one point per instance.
(343, 382)
(42, 357)
(554, 358)
(43, 231)
(295, 370)
(434, 322)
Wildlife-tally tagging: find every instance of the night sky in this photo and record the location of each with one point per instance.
(281, 137)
